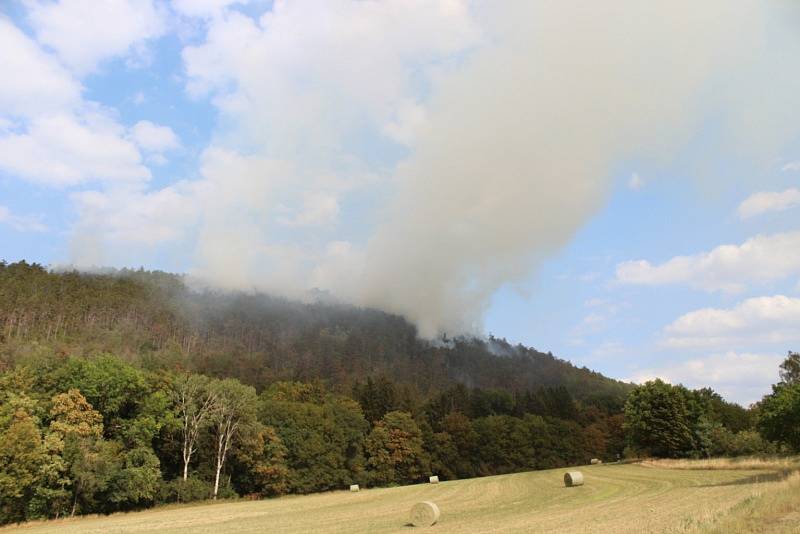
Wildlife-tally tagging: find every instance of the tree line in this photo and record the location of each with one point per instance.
(158, 321)
(671, 421)
(123, 390)
(99, 434)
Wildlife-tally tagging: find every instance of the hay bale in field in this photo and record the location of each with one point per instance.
(434, 479)
(573, 478)
(595, 461)
(354, 487)
(424, 514)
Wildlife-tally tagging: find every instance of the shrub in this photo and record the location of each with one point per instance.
(179, 490)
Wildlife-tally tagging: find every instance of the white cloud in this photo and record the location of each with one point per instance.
(752, 322)
(63, 150)
(410, 119)
(33, 82)
(791, 166)
(727, 267)
(227, 206)
(58, 138)
(317, 209)
(593, 321)
(153, 137)
(156, 158)
(138, 218)
(21, 223)
(225, 220)
(765, 202)
(204, 8)
(738, 377)
(635, 182)
(85, 32)
(308, 59)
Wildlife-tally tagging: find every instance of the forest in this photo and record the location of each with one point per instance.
(127, 389)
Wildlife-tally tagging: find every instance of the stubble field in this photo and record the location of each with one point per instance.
(632, 498)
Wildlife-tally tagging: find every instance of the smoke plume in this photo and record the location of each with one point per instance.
(500, 125)
(520, 144)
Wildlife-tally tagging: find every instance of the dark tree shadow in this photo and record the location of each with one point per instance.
(752, 479)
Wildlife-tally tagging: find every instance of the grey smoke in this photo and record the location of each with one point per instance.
(511, 151)
(520, 143)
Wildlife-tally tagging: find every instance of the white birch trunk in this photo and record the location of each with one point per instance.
(220, 461)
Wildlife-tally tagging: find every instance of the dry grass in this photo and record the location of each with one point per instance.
(744, 462)
(615, 498)
(774, 509)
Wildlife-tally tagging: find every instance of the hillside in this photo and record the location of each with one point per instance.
(125, 390)
(155, 319)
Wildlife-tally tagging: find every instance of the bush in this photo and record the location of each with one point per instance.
(743, 443)
(227, 492)
(178, 490)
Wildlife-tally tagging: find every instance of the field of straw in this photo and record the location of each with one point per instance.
(632, 498)
(745, 462)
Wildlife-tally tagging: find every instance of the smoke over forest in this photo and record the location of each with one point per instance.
(503, 137)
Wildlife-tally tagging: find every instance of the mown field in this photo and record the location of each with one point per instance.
(615, 498)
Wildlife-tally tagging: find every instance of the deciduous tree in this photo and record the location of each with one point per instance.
(790, 368)
(235, 408)
(779, 415)
(21, 457)
(395, 450)
(195, 400)
(657, 420)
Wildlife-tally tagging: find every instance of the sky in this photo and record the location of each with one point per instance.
(617, 183)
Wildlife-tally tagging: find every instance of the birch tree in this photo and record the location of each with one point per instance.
(235, 409)
(195, 401)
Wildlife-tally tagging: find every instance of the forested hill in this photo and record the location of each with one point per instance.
(154, 320)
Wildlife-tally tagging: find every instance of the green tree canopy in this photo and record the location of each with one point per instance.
(395, 451)
(323, 434)
(790, 368)
(779, 415)
(21, 457)
(657, 419)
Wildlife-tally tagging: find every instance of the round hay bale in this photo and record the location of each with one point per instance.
(573, 478)
(424, 514)
(434, 479)
(354, 487)
(594, 461)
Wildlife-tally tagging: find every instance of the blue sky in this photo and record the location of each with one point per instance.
(619, 185)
